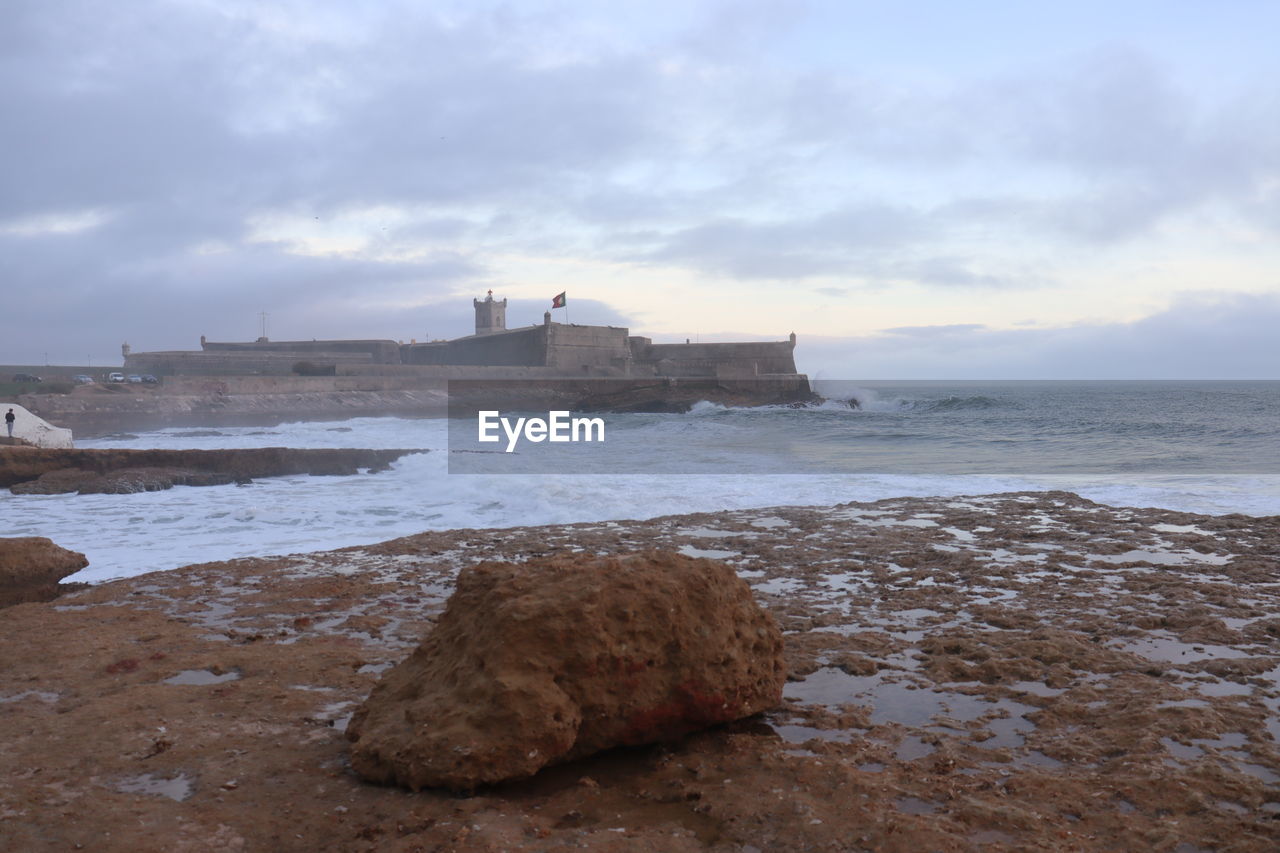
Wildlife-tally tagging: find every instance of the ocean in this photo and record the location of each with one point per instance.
(1204, 447)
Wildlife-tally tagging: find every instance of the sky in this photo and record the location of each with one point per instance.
(916, 189)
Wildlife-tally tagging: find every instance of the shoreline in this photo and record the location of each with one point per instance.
(274, 532)
(1026, 670)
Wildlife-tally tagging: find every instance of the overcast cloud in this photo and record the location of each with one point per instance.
(919, 195)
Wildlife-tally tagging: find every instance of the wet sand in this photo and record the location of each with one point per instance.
(1010, 672)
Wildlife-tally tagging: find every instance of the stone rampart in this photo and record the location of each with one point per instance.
(427, 372)
(216, 386)
(378, 351)
(514, 348)
(748, 358)
(590, 350)
(230, 362)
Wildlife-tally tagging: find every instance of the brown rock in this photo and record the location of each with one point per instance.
(29, 470)
(31, 566)
(542, 662)
(123, 481)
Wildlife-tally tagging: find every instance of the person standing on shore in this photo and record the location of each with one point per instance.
(9, 418)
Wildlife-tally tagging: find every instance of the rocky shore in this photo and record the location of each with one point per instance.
(1009, 672)
(46, 471)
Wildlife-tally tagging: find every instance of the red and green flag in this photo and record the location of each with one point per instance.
(558, 301)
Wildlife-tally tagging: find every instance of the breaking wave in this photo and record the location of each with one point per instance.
(868, 400)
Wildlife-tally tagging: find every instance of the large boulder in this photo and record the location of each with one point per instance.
(31, 566)
(542, 662)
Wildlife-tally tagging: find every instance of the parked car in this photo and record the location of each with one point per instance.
(26, 377)
(115, 377)
(82, 379)
(148, 379)
(135, 379)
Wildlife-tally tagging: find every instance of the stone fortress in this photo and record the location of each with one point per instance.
(542, 351)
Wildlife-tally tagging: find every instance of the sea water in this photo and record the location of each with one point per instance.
(1206, 447)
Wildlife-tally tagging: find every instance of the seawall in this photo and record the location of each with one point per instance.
(231, 400)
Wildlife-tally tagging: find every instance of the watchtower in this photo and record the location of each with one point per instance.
(491, 315)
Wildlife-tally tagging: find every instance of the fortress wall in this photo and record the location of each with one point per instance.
(430, 372)
(518, 347)
(352, 377)
(204, 385)
(588, 349)
(231, 362)
(718, 359)
(381, 352)
(545, 351)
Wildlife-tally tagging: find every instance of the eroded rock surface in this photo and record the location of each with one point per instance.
(31, 566)
(1002, 672)
(541, 662)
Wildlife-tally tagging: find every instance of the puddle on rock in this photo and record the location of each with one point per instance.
(202, 677)
(1036, 688)
(1230, 740)
(1272, 722)
(43, 696)
(1036, 758)
(912, 748)
(1266, 774)
(1181, 528)
(1168, 649)
(712, 533)
(1222, 688)
(178, 788)
(915, 805)
(794, 733)
(1180, 750)
(990, 836)
(690, 551)
(1008, 731)
(1160, 558)
(906, 704)
(779, 586)
(333, 715)
(891, 702)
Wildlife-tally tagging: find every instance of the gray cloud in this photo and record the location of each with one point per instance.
(791, 249)
(1198, 337)
(944, 331)
(530, 132)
